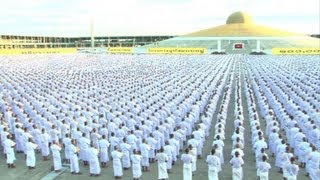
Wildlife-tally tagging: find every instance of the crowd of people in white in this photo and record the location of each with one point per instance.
(130, 111)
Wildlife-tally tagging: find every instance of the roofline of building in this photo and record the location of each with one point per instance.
(240, 38)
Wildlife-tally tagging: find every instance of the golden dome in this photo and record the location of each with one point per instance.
(239, 18)
(240, 24)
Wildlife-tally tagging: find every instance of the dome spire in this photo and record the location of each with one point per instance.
(239, 18)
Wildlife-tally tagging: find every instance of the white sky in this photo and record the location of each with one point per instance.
(149, 17)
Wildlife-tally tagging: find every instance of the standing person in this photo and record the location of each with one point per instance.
(125, 149)
(8, 145)
(74, 160)
(168, 149)
(152, 142)
(84, 144)
(219, 153)
(237, 163)
(144, 148)
(187, 165)
(114, 141)
(313, 164)
(136, 165)
(54, 134)
(285, 160)
(25, 138)
(66, 143)
(263, 168)
(117, 166)
(55, 149)
(162, 159)
(3, 136)
(193, 153)
(31, 158)
(44, 141)
(214, 166)
(94, 161)
(292, 170)
(104, 145)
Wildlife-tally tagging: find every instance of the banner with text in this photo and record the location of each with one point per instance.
(177, 50)
(296, 51)
(39, 51)
(120, 50)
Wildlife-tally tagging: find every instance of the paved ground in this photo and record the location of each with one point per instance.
(44, 167)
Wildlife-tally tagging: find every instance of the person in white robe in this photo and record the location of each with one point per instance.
(9, 145)
(25, 138)
(117, 165)
(74, 160)
(285, 159)
(84, 144)
(214, 166)
(54, 134)
(272, 141)
(291, 169)
(260, 155)
(104, 145)
(95, 169)
(36, 134)
(237, 149)
(55, 149)
(66, 144)
(199, 136)
(3, 136)
(18, 137)
(162, 159)
(219, 153)
(44, 139)
(31, 157)
(125, 149)
(136, 165)
(153, 143)
(263, 169)
(187, 165)
(258, 145)
(145, 148)
(280, 149)
(302, 150)
(95, 137)
(237, 163)
(313, 164)
(193, 152)
(114, 141)
(168, 149)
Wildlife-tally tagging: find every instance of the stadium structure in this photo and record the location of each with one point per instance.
(262, 107)
(14, 41)
(240, 35)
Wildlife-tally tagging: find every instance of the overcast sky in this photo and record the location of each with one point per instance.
(149, 17)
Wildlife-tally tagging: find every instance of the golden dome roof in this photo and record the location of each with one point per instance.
(239, 18)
